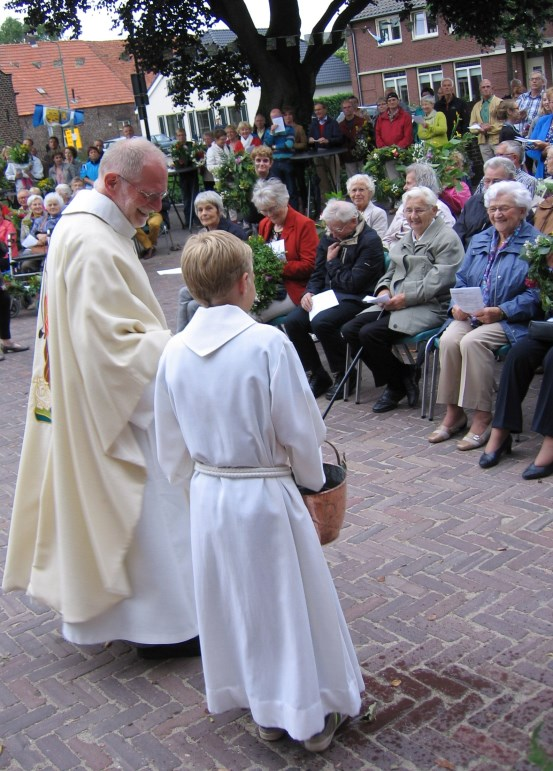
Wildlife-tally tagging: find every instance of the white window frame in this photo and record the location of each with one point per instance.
(466, 72)
(426, 32)
(385, 26)
(396, 81)
(434, 76)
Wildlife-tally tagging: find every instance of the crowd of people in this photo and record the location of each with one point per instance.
(150, 468)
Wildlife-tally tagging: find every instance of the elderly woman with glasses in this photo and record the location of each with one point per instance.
(493, 265)
(361, 189)
(211, 213)
(414, 294)
(297, 236)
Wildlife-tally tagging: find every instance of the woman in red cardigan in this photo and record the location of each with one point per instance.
(300, 240)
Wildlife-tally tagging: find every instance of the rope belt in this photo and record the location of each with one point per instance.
(242, 472)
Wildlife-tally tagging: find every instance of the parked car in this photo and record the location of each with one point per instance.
(164, 142)
(108, 142)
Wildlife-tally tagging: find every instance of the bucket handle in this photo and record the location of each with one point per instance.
(341, 461)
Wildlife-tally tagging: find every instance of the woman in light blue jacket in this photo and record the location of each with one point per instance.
(493, 264)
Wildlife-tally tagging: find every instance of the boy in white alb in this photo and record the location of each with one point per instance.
(236, 418)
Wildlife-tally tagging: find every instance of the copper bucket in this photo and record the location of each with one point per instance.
(328, 507)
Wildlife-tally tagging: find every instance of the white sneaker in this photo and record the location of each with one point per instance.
(321, 741)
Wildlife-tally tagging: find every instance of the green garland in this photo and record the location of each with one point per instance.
(540, 274)
(235, 180)
(19, 154)
(268, 272)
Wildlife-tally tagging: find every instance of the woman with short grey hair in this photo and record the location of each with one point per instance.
(361, 189)
(293, 236)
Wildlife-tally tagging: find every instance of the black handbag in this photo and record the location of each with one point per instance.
(541, 330)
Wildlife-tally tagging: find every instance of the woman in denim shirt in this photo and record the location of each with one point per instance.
(492, 262)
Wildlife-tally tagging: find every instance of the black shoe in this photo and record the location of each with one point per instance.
(187, 649)
(319, 382)
(388, 401)
(352, 380)
(491, 459)
(411, 385)
(537, 472)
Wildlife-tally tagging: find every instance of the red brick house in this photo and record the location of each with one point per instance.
(422, 51)
(93, 76)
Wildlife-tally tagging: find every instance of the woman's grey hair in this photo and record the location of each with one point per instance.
(501, 163)
(32, 198)
(425, 176)
(339, 211)
(520, 195)
(54, 197)
(361, 179)
(127, 158)
(63, 189)
(428, 98)
(270, 192)
(210, 196)
(428, 196)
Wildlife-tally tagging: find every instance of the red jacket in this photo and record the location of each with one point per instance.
(398, 131)
(301, 242)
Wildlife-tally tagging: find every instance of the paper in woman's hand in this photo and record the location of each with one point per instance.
(468, 298)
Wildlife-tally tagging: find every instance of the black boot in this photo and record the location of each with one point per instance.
(411, 384)
(337, 380)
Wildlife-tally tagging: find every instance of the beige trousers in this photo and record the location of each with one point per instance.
(328, 171)
(467, 364)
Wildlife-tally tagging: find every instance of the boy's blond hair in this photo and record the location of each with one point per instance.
(212, 263)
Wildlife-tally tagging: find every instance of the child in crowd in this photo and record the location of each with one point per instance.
(235, 417)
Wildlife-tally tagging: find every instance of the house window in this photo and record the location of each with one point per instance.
(173, 124)
(429, 77)
(396, 81)
(204, 121)
(389, 30)
(235, 114)
(468, 76)
(423, 25)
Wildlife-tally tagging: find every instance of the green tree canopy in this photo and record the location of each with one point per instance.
(13, 31)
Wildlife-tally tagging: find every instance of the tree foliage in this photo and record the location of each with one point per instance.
(13, 31)
(172, 37)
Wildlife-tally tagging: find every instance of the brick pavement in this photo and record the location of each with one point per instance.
(444, 572)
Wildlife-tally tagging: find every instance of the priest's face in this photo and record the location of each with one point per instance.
(138, 198)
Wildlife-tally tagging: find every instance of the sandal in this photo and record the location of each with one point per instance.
(443, 433)
(471, 441)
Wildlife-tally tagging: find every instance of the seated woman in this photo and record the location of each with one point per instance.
(43, 227)
(7, 345)
(519, 369)
(361, 189)
(36, 212)
(247, 140)
(417, 283)
(210, 211)
(299, 234)
(493, 264)
(433, 130)
(60, 172)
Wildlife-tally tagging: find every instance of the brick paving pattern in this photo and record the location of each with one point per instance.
(444, 572)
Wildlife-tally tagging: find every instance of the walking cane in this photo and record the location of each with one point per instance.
(343, 381)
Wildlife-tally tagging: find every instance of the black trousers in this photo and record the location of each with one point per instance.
(518, 370)
(5, 304)
(326, 325)
(371, 332)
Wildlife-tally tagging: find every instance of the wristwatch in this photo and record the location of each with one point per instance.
(503, 316)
